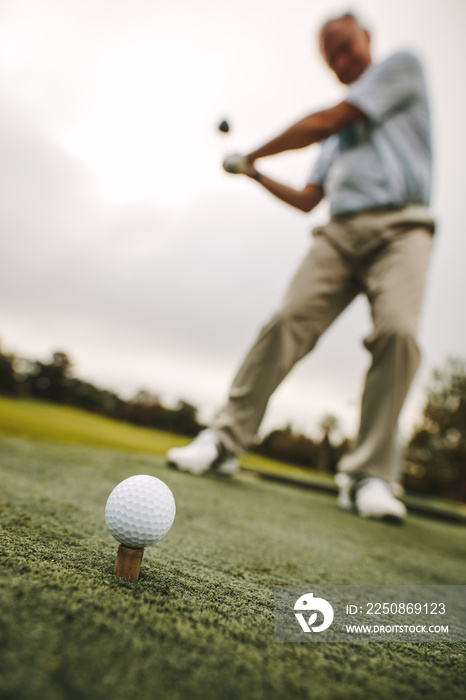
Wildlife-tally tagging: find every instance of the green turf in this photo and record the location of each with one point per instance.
(199, 622)
(47, 421)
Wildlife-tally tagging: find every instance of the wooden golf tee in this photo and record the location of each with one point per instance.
(128, 562)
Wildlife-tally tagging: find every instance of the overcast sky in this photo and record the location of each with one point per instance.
(124, 244)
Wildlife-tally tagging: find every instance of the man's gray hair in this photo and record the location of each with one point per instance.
(346, 15)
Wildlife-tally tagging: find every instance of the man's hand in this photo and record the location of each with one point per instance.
(236, 164)
(304, 200)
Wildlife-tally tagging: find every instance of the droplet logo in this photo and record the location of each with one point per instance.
(307, 603)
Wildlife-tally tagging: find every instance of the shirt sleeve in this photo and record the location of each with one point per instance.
(325, 158)
(388, 87)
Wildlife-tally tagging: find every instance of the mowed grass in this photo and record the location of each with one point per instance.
(199, 622)
(45, 421)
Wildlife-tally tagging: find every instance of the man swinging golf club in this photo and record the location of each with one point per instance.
(375, 169)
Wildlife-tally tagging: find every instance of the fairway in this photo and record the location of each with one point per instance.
(199, 622)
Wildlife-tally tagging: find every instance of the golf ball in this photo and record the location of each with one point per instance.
(140, 511)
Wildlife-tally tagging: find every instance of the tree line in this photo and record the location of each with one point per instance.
(54, 381)
(434, 457)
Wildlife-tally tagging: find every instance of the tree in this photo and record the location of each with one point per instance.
(146, 409)
(327, 454)
(436, 453)
(329, 424)
(52, 381)
(286, 445)
(7, 374)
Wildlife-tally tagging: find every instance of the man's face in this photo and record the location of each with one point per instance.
(346, 49)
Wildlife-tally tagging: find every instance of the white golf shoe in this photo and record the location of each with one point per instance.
(370, 497)
(205, 453)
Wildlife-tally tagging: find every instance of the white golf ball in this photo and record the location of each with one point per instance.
(140, 511)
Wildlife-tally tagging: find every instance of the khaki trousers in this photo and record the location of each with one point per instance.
(383, 255)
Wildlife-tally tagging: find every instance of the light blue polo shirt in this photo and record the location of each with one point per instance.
(386, 162)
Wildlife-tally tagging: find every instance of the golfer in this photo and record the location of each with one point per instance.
(374, 168)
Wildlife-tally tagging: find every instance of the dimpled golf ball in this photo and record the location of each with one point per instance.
(140, 511)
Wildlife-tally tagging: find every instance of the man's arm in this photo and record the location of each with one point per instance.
(304, 200)
(311, 129)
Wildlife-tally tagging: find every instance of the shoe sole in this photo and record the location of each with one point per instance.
(228, 467)
(224, 468)
(389, 518)
(179, 467)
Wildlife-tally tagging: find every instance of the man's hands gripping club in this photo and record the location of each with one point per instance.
(307, 131)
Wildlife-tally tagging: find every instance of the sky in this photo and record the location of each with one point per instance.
(122, 241)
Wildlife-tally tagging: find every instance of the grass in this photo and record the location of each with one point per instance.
(199, 622)
(47, 421)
